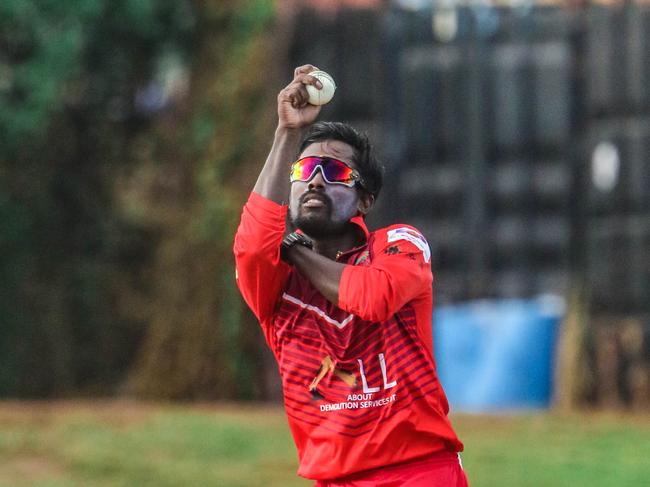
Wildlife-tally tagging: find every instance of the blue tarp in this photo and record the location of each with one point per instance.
(497, 355)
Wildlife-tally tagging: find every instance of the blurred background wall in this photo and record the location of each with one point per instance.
(515, 136)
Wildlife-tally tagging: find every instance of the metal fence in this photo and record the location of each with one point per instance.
(516, 139)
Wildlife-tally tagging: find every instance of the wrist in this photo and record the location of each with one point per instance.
(291, 241)
(289, 131)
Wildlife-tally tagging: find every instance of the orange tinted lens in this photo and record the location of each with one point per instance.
(304, 168)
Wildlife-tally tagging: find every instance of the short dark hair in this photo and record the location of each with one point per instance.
(369, 167)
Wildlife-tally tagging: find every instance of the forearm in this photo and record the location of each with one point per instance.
(273, 181)
(323, 273)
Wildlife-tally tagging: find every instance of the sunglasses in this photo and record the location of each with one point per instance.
(333, 171)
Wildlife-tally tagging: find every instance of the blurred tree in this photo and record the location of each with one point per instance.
(91, 97)
(201, 342)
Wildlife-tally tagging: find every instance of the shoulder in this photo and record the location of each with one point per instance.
(399, 231)
(401, 234)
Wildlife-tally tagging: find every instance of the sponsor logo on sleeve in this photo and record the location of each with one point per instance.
(410, 235)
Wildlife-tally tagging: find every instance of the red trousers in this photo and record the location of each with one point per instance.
(438, 470)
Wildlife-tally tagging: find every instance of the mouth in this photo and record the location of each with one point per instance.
(313, 201)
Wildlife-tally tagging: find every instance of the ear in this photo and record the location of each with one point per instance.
(366, 201)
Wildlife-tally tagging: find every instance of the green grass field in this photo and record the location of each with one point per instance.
(120, 444)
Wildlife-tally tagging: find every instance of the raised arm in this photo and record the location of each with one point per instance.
(260, 272)
(295, 114)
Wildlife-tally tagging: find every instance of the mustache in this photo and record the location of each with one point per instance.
(316, 195)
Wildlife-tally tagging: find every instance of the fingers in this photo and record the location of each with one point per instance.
(296, 91)
(296, 94)
(301, 74)
(304, 69)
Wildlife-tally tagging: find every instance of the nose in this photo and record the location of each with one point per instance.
(317, 180)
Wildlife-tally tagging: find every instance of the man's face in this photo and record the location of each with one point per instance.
(318, 208)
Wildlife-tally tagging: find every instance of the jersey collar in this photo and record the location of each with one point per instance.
(361, 224)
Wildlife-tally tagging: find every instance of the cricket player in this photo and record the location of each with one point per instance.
(346, 311)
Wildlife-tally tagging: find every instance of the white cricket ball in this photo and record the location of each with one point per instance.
(325, 94)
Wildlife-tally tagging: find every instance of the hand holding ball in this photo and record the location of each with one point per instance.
(325, 94)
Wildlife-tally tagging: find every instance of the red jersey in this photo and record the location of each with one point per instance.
(359, 379)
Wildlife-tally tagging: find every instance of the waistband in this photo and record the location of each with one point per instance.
(432, 460)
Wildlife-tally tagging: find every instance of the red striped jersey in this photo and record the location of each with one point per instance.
(359, 380)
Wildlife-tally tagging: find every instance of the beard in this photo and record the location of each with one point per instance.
(318, 224)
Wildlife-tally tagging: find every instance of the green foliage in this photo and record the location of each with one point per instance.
(90, 267)
(207, 331)
(52, 48)
(14, 271)
(69, 74)
(44, 41)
